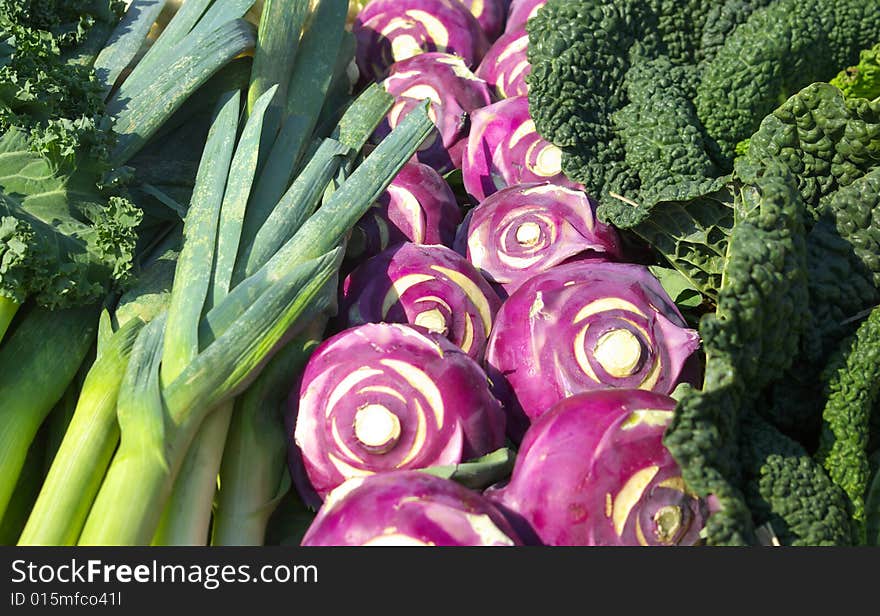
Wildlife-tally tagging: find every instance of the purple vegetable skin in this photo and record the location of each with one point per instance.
(521, 11)
(593, 471)
(505, 65)
(526, 229)
(454, 92)
(384, 397)
(418, 206)
(433, 287)
(491, 14)
(388, 31)
(504, 149)
(586, 325)
(408, 508)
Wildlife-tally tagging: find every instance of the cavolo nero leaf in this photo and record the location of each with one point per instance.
(832, 145)
(751, 338)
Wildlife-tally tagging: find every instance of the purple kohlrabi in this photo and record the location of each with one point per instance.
(454, 92)
(585, 325)
(492, 14)
(505, 65)
(523, 230)
(418, 206)
(430, 286)
(388, 31)
(593, 470)
(386, 396)
(408, 508)
(504, 149)
(521, 11)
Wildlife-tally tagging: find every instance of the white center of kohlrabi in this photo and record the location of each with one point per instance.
(432, 320)
(376, 427)
(549, 162)
(528, 234)
(618, 352)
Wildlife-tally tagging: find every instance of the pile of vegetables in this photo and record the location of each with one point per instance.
(440, 272)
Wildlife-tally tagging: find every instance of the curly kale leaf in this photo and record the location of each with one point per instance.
(841, 288)
(57, 101)
(844, 261)
(832, 146)
(855, 211)
(577, 82)
(752, 336)
(68, 21)
(788, 490)
(62, 242)
(703, 440)
(852, 387)
(683, 208)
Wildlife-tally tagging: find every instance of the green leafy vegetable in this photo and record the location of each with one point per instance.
(863, 79)
(645, 114)
(752, 337)
(788, 490)
(852, 383)
(76, 104)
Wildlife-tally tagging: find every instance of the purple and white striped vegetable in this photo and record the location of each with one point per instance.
(505, 65)
(521, 11)
(408, 508)
(388, 31)
(492, 14)
(430, 286)
(526, 229)
(387, 396)
(504, 148)
(593, 470)
(418, 206)
(587, 325)
(454, 92)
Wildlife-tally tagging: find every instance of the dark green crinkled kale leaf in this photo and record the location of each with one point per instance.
(816, 130)
(667, 155)
(784, 239)
(852, 388)
(754, 335)
(832, 144)
(788, 490)
(592, 95)
(828, 142)
(778, 50)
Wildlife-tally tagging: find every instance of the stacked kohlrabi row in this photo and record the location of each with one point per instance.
(487, 310)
